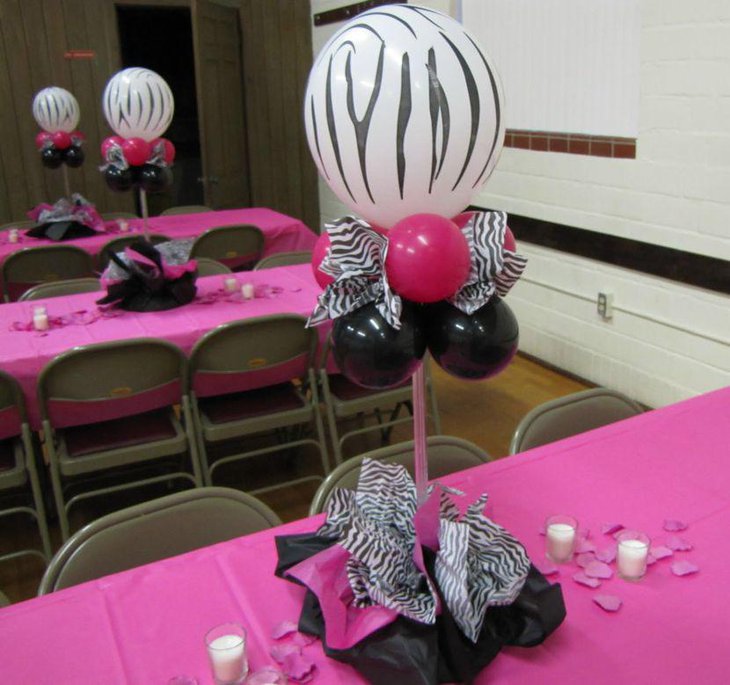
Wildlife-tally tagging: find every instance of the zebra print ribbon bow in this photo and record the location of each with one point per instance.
(494, 269)
(478, 563)
(356, 260)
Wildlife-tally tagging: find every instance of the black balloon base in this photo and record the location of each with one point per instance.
(59, 231)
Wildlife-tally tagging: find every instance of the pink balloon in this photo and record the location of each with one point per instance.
(428, 258)
(136, 151)
(509, 238)
(61, 139)
(109, 142)
(319, 252)
(169, 148)
(41, 139)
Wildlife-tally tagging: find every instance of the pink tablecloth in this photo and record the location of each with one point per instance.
(143, 626)
(282, 233)
(23, 354)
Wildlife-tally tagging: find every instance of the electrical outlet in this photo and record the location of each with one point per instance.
(605, 306)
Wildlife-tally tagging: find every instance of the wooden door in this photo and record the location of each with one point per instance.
(219, 82)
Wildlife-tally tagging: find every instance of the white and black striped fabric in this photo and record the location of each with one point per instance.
(356, 260)
(478, 563)
(493, 269)
(55, 109)
(138, 103)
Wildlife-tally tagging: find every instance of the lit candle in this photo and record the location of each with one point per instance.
(13, 236)
(230, 284)
(227, 653)
(40, 319)
(560, 534)
(631, 555)
(247, 290)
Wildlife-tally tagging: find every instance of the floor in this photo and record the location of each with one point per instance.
(486, 413)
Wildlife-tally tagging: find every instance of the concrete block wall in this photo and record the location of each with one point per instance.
(666, 341)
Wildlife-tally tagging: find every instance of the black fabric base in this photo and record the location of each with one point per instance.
(60, 231)
(410, 653)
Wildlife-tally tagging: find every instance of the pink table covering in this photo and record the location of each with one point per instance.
(146, 625)
(24, 354)
(282, 233)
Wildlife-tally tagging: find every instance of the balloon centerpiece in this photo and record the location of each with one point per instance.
(138, 106)
(403, 114)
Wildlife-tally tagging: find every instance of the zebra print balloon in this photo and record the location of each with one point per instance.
(403, 113)
(138, 103)
(55, 109)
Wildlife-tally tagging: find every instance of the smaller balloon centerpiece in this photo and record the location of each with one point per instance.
(403, 113)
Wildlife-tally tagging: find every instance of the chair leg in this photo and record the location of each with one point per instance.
(200, 440)
(193, 446)
(318, 424)
(331, 419)
(32, 465)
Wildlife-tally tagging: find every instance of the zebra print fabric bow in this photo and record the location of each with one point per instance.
(478, 563)
(494, 269)
(356, 260)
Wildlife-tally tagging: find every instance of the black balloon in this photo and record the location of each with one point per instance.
(155, 179)
(373, 354)
(51, 157)
(474, 346)
(73, 156)
(118, 179)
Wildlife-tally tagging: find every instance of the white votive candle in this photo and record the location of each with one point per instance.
(226, 646)
(560, 534)
(247, 290)
(123, 225)
(13, 236)
(40, 319)
(230, 284)
(631, 555)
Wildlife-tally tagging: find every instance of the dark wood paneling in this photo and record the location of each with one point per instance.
(277, 56)
(656, 260)
(348, 11)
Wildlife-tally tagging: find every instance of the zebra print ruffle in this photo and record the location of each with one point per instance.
(356, 260)
(478, 563)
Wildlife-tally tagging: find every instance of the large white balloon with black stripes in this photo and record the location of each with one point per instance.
(138, 103)
(403, 113)
(55, 109)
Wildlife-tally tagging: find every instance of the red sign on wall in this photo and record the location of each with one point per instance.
(79, 54)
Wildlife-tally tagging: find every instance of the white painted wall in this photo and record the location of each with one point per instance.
(666, 341)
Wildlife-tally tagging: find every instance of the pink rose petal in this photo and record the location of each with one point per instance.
(650, 559)
(583, 579)
(546, 567)
(611, 528)
(584, 533)
(297, 667)
(674, 526)
(678, 544)
(281, 651)
(660, 552)
(584, 559)
(284, 628)
(584, 546)
(302, 639)
(606, 555)
(608, 602)
(266, 676)
(684, 568)
(597, 569)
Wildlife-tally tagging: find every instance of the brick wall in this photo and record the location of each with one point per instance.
(666, 341)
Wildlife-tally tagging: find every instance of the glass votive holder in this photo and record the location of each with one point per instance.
(226, 645)
(560, 535)
(230, 284)
(248, 291)
(13, 235)
(40, 318)
(632, 554)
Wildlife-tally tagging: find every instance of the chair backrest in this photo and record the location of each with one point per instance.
(33, 265)
(111, 380)
(570, 415)
(284, 259)
(118, 245)
(155, 530)
(211, 267)
(73, 286)
(111, 216)
(446, 455)
(185, 209)
(252, 353)
(238, 246)
(25, 223)
(12, 407)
